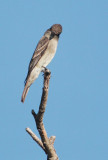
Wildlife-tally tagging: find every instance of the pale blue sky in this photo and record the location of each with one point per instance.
(77, 108)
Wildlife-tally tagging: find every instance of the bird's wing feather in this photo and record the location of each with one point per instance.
(39, 51)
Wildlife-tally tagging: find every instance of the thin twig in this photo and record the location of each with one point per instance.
(35, 138)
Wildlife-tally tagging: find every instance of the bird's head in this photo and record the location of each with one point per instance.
(56, 29)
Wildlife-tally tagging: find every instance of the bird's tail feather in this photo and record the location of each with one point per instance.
(26, 89)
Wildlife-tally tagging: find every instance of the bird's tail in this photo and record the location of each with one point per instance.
(26, 89)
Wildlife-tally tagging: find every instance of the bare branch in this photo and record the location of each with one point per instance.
(45, 143)
(52, 139)
(35, 138)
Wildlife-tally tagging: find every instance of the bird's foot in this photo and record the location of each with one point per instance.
(45, 70)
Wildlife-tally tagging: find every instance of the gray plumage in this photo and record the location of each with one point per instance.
(42, 56)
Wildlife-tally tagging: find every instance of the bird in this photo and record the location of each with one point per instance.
(42, 56)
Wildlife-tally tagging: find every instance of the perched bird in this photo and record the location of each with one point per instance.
(43, 54)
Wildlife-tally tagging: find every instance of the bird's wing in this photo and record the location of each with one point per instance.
(39, 51)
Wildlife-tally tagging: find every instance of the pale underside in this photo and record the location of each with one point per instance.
(44, 60)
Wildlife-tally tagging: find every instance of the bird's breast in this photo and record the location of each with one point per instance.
(52, 46)
(49, 53)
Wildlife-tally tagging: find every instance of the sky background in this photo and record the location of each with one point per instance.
(77, 107)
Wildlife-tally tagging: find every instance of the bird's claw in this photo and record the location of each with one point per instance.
(45, 70)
